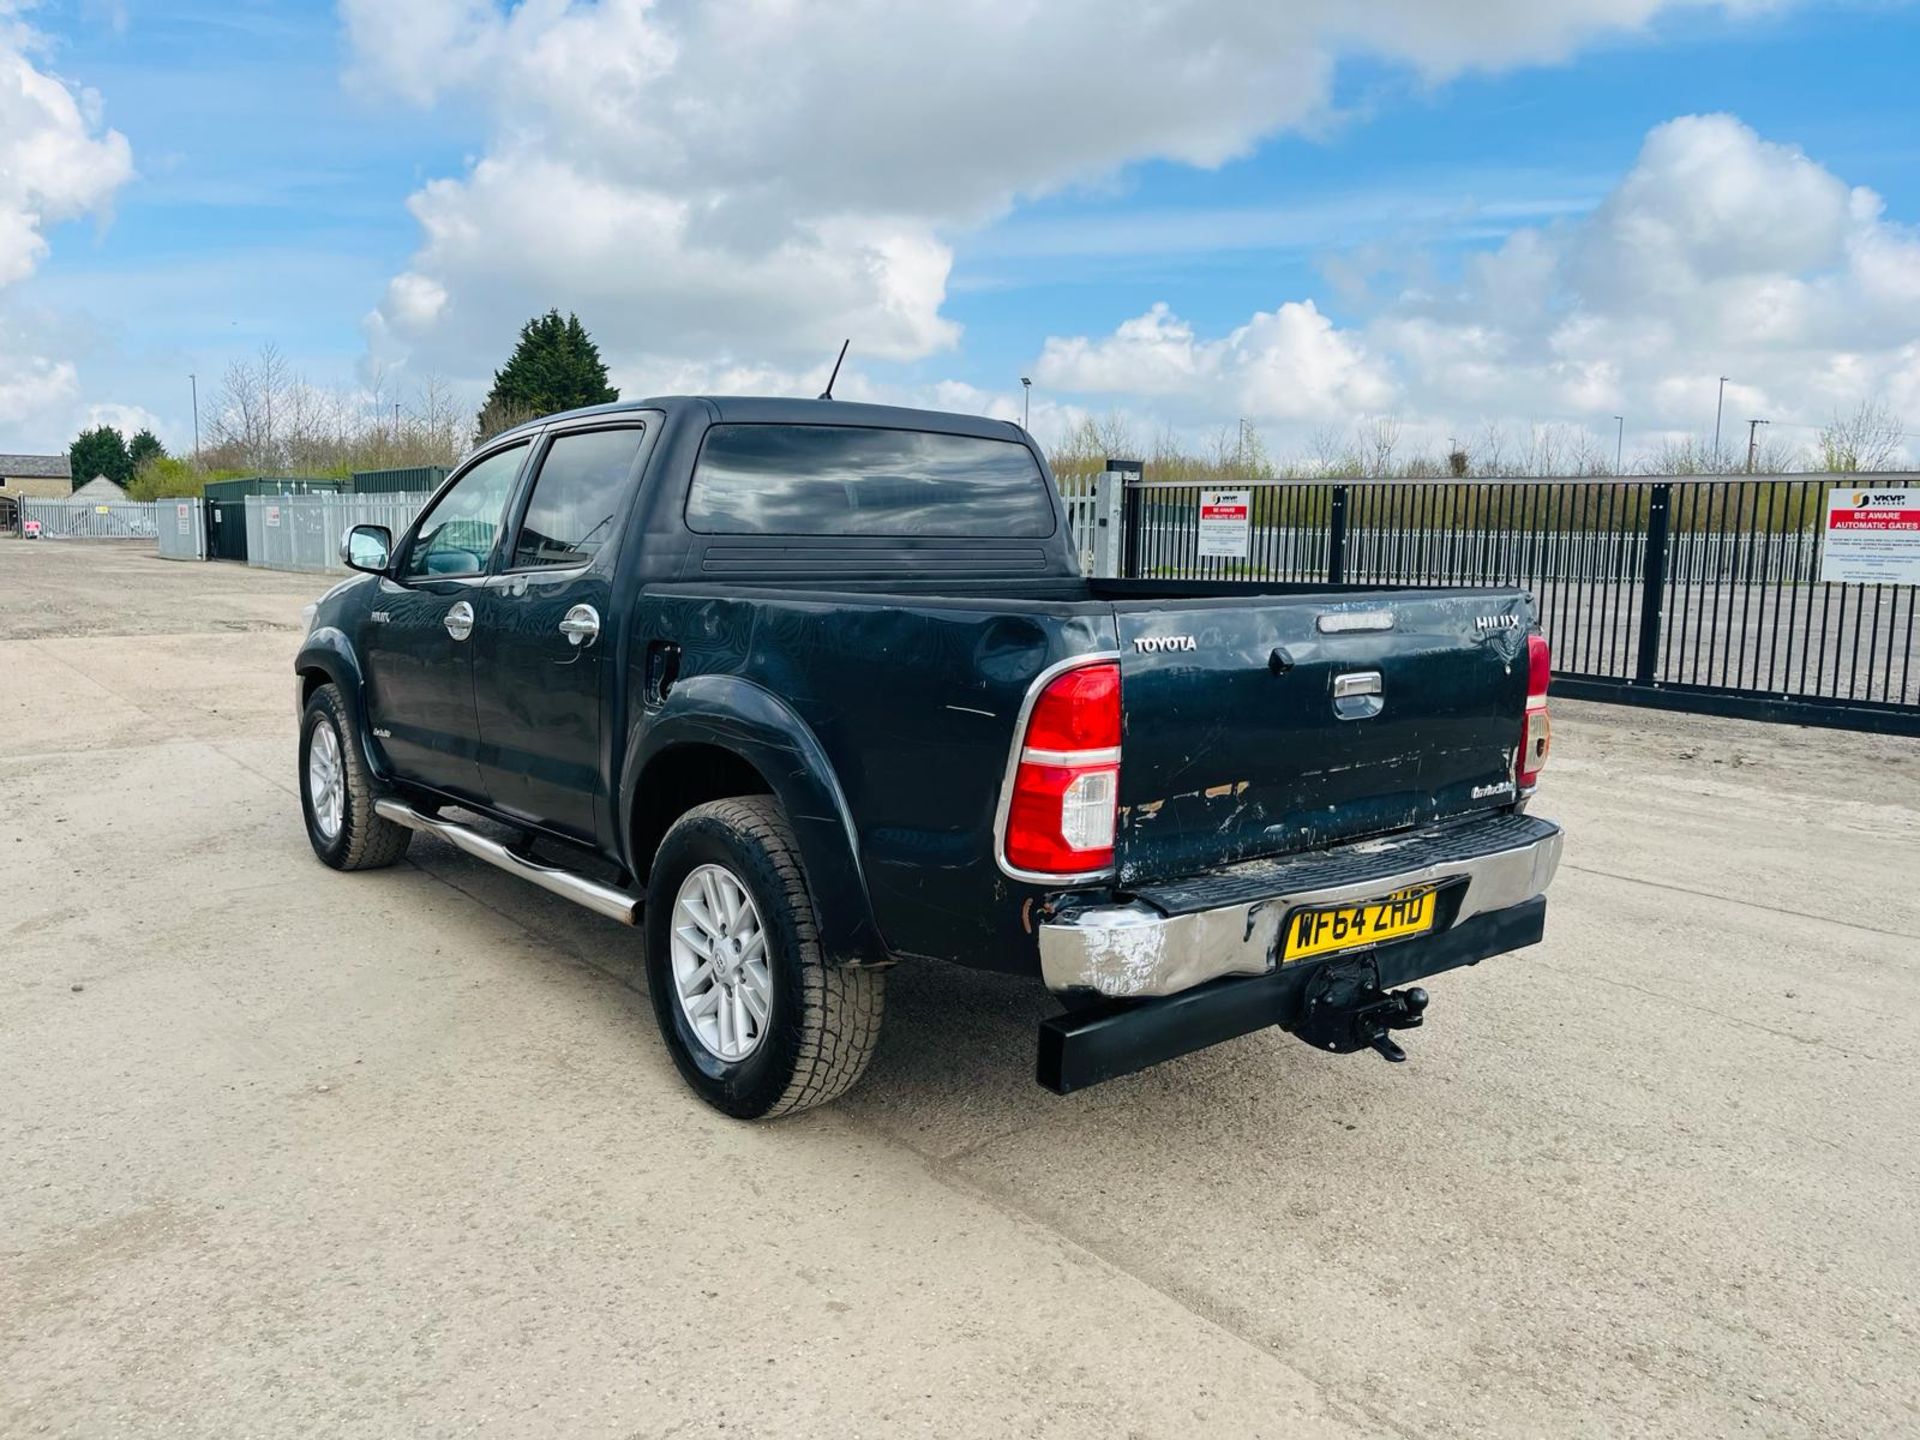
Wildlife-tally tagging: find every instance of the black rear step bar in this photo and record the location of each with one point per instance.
(1339, 1004)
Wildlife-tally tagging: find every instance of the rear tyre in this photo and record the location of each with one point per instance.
(337, 791)
(756, 1020)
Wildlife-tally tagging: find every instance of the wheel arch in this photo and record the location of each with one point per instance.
(719, 737)
(326, 658)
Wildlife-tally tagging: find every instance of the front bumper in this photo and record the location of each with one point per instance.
(1169, 938)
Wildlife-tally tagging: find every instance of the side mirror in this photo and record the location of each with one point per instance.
(368, 548)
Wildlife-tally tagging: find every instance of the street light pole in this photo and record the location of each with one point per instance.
(1026, 402)
(194, 381)
(1718, 406)
(1619, 440)
(1753, 432)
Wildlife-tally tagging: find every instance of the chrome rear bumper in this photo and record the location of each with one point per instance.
(1142, 948)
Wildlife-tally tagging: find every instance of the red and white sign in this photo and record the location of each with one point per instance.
(1226, 523)
(1873, 537)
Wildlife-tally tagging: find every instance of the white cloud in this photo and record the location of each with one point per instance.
(1719, 252)
(33, 385)
(751, 180)
(57, 163)
(129, 420)
(1285, 364)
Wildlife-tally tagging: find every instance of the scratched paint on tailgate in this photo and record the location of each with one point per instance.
(1236, 745)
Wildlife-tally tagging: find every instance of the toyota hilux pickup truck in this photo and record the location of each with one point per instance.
(806, 689)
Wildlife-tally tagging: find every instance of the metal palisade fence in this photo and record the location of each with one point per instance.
(302, 532)
(1690, 592)
(92, 520)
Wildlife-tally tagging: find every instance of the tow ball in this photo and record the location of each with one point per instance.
(1346, 1010)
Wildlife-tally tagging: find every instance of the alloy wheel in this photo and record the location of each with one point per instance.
(326, 780)
(720, 963)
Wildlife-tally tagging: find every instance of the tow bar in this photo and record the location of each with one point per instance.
(1346, 1010)
(1350, 1004)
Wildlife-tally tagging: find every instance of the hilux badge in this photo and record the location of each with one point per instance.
(1496, 622)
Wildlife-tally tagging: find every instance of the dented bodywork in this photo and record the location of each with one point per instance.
(1167, 939)
(1281, 745)
(1276, 735)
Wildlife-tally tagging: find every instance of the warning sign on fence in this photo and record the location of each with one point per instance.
(1873, 537)
(185, 514)
(1226, 523)
(273, 514)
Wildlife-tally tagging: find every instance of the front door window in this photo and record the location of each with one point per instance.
(457, 534)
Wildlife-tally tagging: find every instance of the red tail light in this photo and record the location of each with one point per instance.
(1536, 732)
(1060, 816)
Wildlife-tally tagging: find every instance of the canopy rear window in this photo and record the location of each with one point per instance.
(860, 480)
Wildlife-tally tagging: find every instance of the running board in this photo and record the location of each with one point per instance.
(601, 899)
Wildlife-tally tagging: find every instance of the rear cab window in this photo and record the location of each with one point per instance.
(576, 494)
(866, 481)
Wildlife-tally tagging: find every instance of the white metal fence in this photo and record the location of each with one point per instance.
(92, 520)
(183, 529)
(302, 532)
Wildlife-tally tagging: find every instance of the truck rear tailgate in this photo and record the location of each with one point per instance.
(1236, 744)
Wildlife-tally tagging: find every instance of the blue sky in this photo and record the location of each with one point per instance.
(275, 158)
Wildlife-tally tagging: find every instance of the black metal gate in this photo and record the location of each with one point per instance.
(226, 529)
(1695, 593)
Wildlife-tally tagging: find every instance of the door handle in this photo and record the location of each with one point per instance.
(459, 621)
(581, 626)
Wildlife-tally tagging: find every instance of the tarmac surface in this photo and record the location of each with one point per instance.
(288, 1152)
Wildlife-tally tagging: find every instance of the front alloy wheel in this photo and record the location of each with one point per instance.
(720, 970)
(337, 794)
(326, 780)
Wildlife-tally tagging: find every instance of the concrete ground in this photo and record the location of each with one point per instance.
(287, 1152)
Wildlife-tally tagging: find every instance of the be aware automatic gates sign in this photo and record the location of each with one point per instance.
(1226, 523)
(1873, 537)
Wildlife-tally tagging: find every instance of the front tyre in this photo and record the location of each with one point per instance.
(337, 792)
(757, 1021)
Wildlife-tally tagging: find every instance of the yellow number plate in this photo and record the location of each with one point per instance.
(1350, 927)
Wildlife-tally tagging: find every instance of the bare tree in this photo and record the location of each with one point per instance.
(1376, 440)
(437, 421)
(269, 420)
(1328, 449)
(1867, 438)
(1491, 449)
(1688, 456)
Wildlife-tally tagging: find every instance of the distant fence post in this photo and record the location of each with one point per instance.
(1337, 538)
(1653, 584)
(1126, 476)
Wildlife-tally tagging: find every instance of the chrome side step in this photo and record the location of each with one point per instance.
(601, 899)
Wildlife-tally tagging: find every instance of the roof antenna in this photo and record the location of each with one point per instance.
(827, 394)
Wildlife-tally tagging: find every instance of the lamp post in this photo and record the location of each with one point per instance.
(1718, 406)
(1619, 440)
(194, 381)
(1026, 401)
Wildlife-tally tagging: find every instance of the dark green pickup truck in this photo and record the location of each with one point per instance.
(809, 689)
